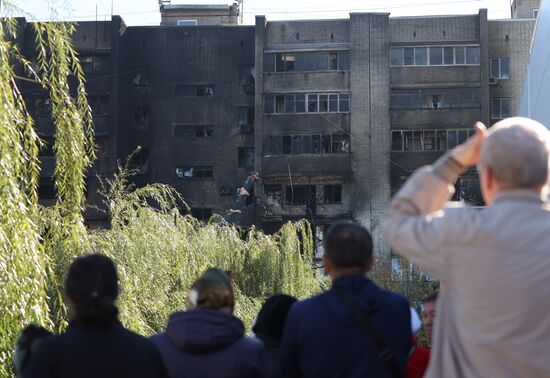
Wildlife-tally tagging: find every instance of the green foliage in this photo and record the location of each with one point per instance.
(159, 253)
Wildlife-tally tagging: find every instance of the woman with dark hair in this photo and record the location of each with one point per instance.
(95, 344)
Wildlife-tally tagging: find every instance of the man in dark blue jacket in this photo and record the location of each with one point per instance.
(322, 336)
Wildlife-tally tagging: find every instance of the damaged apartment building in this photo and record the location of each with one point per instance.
(334, 115)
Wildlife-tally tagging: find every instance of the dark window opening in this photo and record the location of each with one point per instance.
(296, 146)
(287, 141)
(47, 147)
(340, 143)
(43, 106)
(332, 194)
(300, 195)
(202, 214)
(46, 190)
(276, 145)
(397, 141)
(195, 90)
(245, 76)
(326, 144)
(141, 116)
(194, 171)
(435, 101)
(246, 157)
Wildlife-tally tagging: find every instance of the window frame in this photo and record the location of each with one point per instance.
(499, 60)
(428, 55)
(500, 100)
(270, 100)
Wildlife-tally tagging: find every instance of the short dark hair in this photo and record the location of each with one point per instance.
(92, 286)
(431, 298)
(348, 245)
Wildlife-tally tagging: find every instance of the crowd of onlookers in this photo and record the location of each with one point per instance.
(489, 318)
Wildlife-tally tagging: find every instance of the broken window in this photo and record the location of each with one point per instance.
(246, 157)
(43, 106)
(397, 141)
(306, 144)
(316, 144)
(279, 104)
(408, 140)
(442, 140)
(312, 103)
(462, 136)
(194, 171)
(332, 194)
(417, 140)
(202, 214)
(296, 146)
(326, 144)
(276, 145)
(246, 116)
(435, 101)
(195, 90)
(428, 142)
(300, 195)
(245, 76)
(94, 64)
(333, 60)
(285, 62)
(323, 103)
(141, 116)
(99, 104)
(451, 139)
(467, 189)
(204, 131)
(287, 142)
(340, 143)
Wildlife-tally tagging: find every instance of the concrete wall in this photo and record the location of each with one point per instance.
(370, 121)
(186, 56)
(523, 9)
(511, 39)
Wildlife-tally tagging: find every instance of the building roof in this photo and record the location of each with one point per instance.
(196, 6)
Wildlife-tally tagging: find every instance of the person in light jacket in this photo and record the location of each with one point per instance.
(493, 263)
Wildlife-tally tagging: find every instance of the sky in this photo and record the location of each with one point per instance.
(146, 12)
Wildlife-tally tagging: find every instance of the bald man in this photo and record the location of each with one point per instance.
(493, 310)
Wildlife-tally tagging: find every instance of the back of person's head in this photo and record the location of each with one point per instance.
(213, 290)
(517, 151)
(272, 317)
(348, 245)
(27, 343)
(431, 297)
(92, 288)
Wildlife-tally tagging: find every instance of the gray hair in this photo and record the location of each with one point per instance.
(517, 151)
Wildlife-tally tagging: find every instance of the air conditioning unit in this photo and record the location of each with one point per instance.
(493, 81)
(225, 190)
